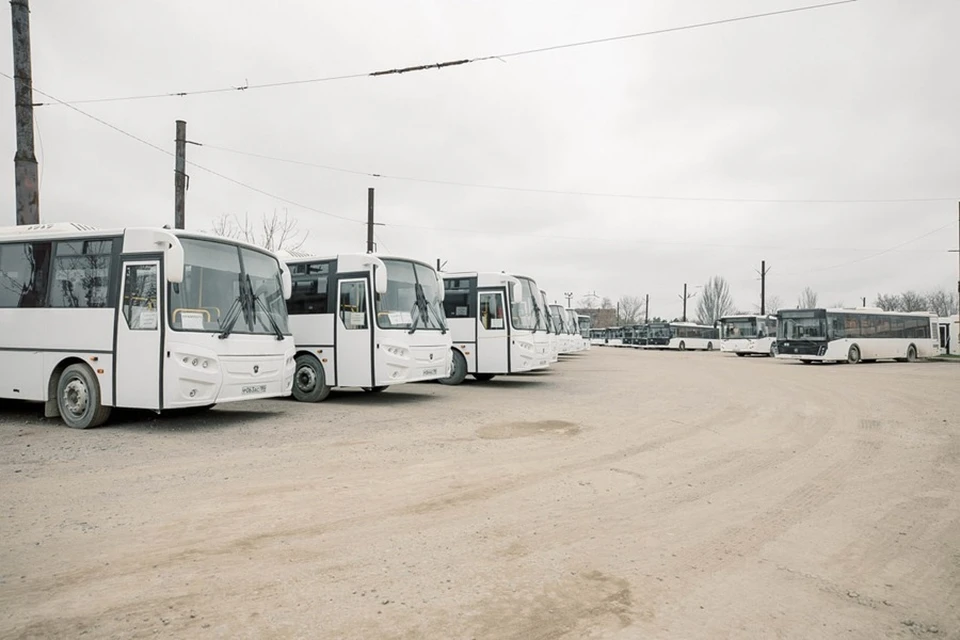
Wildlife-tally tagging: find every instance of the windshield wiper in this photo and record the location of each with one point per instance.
(273, 322)
(537, 315)
(230, 318)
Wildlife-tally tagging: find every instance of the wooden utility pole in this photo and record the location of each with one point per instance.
(370, 220)
(763, 287)
(25, 161)
(180, 178)
(685, 297)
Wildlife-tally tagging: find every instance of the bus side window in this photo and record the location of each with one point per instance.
(353, 304)
(491, 311)
(140, 297)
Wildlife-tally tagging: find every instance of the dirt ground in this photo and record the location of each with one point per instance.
(620, 494)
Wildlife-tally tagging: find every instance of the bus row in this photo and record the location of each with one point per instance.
(807, 335)
(160, 319)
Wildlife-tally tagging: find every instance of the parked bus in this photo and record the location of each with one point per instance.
(492, 323)
(635, 335)
(140, 318)
(531, 297)
(855, 335)
(365, 321)
(682, 336)
(561, 325)
(583, 323)
(749, 335)
(598, 336)
(553, 338)
(573, 325)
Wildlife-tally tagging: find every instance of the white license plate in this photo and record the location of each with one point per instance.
(430, 372)
(255, 388)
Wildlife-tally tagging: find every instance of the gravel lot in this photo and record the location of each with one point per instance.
(620, 494)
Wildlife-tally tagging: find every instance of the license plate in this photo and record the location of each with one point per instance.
(255, 388)
(430, 372)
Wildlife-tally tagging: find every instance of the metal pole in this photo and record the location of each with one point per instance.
(763, 287)
(25, 160)
(180, 178)
(370, 220)
(684, 301)
(646, 310)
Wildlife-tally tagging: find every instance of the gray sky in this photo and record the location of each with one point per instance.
(857, 101)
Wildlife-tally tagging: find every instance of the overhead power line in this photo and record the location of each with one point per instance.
(451, 63)
(597, 194)
(192, 164)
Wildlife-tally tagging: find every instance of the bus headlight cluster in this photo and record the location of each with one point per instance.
(201, 363)
(400, 352)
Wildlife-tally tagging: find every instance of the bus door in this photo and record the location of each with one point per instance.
(492, 333)
(138, 346)
(354, 350)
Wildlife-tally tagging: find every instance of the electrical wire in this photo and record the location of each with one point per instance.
(594, 194)
(192, 164)
(454, 63)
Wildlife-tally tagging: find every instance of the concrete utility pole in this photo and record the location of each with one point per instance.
(370, 220)
(685, 297)
(25, 161)
(180, 178)
(763, 287)
(646, 309)
(569, 297)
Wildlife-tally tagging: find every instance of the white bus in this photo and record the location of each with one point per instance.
(749, 335)
(573, 324)
(682, 336)
(553, 338)
(855, 335)
(532, 297)
(139, 318)
(492, 322)
(583, 324)
(366, 321)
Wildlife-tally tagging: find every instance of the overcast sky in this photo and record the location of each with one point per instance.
(857, 101)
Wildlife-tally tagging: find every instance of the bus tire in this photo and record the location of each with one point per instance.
(78, 398)
(773, 350)
(911, 353)
(682, 346)
(483, 377)
(378, 389)
(709, 346)
(740, 354)
(853, 355)
(458, 369)
(309, 381)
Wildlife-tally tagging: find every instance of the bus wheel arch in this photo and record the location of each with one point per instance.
(51, 408)
(912, 353)
(458, 368)
(853, 354)
(709, 346)
(78, 397)
(309, 379)
(682, 346)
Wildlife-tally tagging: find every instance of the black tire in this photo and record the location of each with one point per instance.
(740, 354)
(773, 349)
(484, 377)
(309, 381)
(806, 362)
(78, 398)
(709, 346)
(911, 354)
(375, 389)
(853, 355)
(458, 369)
(682, 345)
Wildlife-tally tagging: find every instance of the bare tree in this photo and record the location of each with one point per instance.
(588, 302)
(276, 231)
(714, 301)
(631, 309)
(773, 304)
(912, 301)
(942, 302)
(807, 299)
(888, 302)
(606, 303)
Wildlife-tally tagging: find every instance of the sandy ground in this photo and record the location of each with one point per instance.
(618, 495)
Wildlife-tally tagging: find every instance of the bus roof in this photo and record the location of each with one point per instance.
(299, 257)
(484, 278)
(860, 310)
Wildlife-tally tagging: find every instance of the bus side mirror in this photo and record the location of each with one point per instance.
(173, 261)
(286, 282)
(379, 279)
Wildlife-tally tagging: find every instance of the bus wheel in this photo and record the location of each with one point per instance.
(483, 377)
(375, 389)
(709, 346)
(773, 350)
(911, 354)
(683, 345)
(853, 356)
(309, 381)
(458, 369)
(78, 398)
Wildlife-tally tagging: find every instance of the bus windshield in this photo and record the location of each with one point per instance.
(412, 300)
(227, 287)
(523, 307)
(556, 315)
(661, 330)
(802, 325)
(539, 311)
(739, 328)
